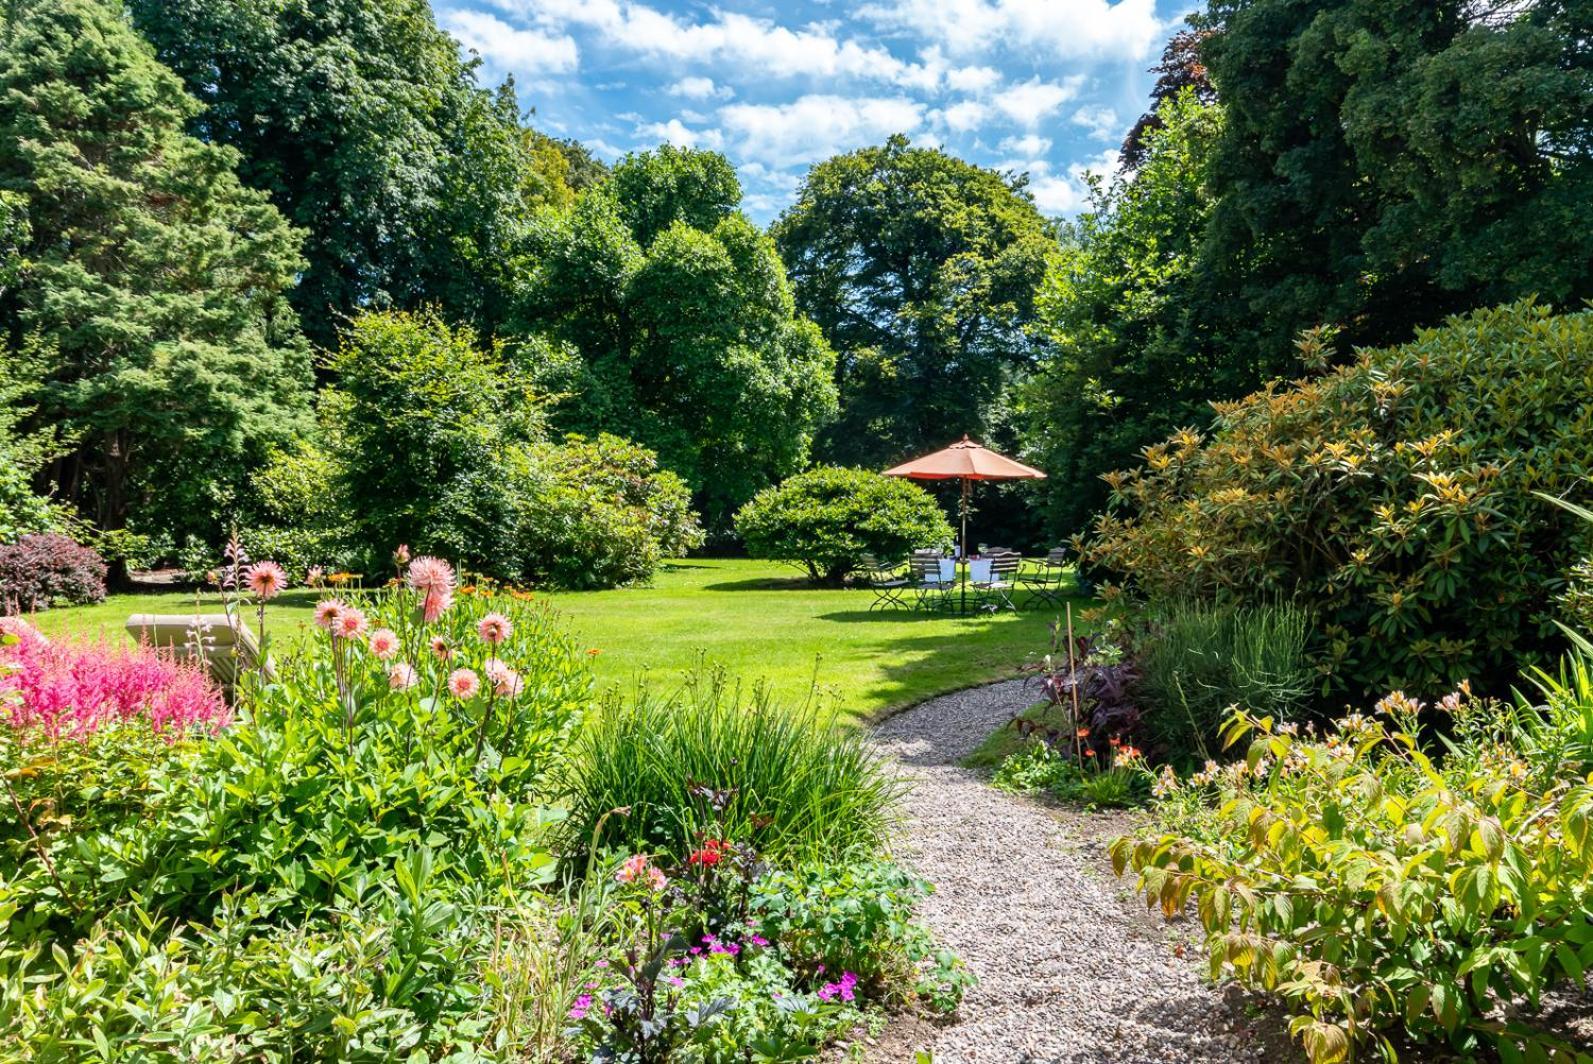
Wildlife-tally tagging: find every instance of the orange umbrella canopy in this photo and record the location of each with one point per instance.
(965, 460)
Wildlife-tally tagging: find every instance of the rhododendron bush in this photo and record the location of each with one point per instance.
(1384, 894)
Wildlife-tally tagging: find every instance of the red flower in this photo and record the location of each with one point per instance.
(712, 852)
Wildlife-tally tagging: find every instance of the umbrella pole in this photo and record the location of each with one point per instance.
(962, 605)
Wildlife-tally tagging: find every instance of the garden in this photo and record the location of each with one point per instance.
(468, 594)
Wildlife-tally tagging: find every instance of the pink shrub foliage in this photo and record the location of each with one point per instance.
(71, 690)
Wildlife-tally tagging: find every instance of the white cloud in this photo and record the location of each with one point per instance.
(528, 52)
(1033, 100)
(1057, 195)
(698, 88)
(1030, 145)
(966, 115)
(974, 79)
(677, 132)
(757, 45)
(1071, 29)
(815, 126)
(1101, 121)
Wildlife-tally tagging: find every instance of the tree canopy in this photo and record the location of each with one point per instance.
(153, 287)
(922, 271)
(1383, 164)
(684, 329)
(369, 131)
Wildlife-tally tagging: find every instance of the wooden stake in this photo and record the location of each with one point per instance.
(1073, 686)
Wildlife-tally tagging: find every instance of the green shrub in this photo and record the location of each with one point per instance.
(420, 424)
(599, 513)
(1197, 660)
(320, 880)
(1393, 497)
(1380, 895)
(797, 786)
(858, 917)
(827, 518)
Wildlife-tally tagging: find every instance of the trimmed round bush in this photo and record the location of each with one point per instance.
(39, 571)
(827, 518)
(1394, 497)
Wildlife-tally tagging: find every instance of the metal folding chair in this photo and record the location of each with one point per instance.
(889, 581)
(1046, 583)
(996, 583)
(929, 582)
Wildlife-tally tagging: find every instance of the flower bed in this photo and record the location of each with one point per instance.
(361, 860)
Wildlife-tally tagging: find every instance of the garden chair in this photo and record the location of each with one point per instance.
(227, 646)
(1045, 584)
(995, 579)
(930, 582)
(889, 581)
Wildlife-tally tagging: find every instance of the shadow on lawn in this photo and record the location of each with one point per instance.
(767, 583)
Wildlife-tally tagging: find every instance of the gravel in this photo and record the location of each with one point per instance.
(1070, 967)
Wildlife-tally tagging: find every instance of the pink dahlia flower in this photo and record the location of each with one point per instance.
(351, 623)
(464, 684)
(266, 580)
(431, 575)
(402, 677)
(326, 612)
(440, 648)
(494, 628)
(384, 643)
(436, 604)
(505, 681)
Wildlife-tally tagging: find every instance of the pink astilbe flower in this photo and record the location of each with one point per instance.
(69, 691)
(326, 612)
(402, 677)
(351, 623)
(266, 580)
(464, 684)
(384, 643)
(494, 628)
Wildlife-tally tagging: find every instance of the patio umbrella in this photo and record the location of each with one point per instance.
(967, 462)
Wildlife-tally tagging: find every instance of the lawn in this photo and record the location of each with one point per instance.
(757, 619)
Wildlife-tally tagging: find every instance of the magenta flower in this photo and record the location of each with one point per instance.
(266, 580)
(582, 1004)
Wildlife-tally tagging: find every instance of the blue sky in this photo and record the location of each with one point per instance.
(1043, 86)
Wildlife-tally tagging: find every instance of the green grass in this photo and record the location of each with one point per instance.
(1006, 741)
(757, 619)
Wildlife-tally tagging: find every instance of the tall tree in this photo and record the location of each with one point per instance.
(369, 131)
(1387, 162)
(1181, 69)
(1118, 307)
(685, 329)
(154, 280)
(922, 271)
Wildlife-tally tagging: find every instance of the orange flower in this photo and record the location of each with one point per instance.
(594, 652)
(1083, 733)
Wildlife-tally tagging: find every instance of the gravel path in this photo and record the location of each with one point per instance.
(1068, 969)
